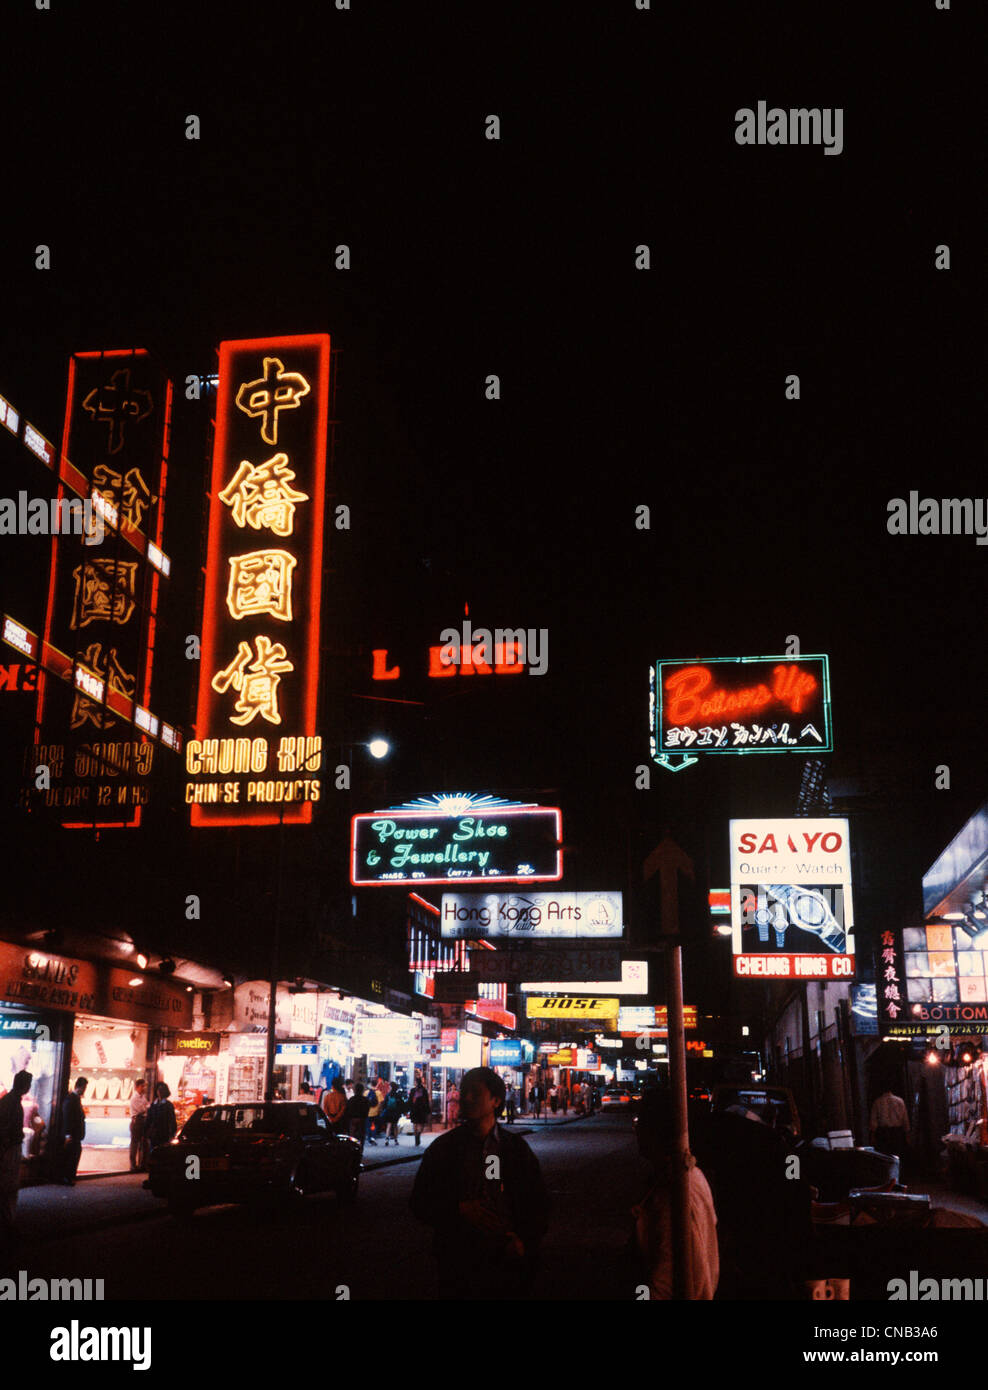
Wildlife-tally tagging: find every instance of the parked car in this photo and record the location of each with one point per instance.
(773, 1104)
(248, 1151)
(617, 1098)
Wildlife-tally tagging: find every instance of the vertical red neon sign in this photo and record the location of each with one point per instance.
(256, 755)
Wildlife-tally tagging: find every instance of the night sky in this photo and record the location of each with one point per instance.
(619, 387)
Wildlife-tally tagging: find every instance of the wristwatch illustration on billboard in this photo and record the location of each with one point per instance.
(806, 908)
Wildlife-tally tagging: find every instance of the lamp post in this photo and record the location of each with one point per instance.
(378, 748)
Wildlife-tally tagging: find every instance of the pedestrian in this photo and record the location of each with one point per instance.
(764, 1225)
(564, 1096)
(334, 1104)
(535, 1096)
(481, 1190)
(355, 1115)
(373, 1111)
(161, 1126)
(73, 1131)
(11, 1148)
(655, 1130)
(554, 1098)
(889, 1124)
(138, 1120)
(452, 1106)
(421, 1111)
(510, 1103)
(391, 1114)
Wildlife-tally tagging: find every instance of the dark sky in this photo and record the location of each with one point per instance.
(619, 387)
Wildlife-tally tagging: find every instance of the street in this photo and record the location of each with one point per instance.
(375, 1249)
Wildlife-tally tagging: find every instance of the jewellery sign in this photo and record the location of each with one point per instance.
(512, 843)
(757, 704)
(791, 909)
(256, 756)
(103, 594)
(528, 915)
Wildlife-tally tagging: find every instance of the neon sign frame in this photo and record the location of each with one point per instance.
(212, 705)
(691, 752)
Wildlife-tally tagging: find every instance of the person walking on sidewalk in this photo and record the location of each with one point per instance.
(138, 1119)
(374, 1110)
(452, 1106)
(510, 1103)
(334, 1104)
(162, 1125)
(655, 1130)
(889, 1124)
(564, 1096)
(391, 1114)
(73, 1131)
(481, 1190)
(554, 1098)
(535, 1096)
(11, 1145)
(420, 1111)
(355, 1115)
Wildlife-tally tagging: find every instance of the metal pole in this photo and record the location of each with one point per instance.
(275, 965)
(682, 1244)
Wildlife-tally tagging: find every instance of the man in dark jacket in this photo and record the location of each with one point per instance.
(355, 1115)
(73, 1131)
(11, 1142)
(480, 1187)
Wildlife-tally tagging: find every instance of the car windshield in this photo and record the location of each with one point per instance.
(225, 1121)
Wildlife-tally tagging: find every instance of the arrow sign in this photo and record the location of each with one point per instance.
(664, 760)
(668, 861)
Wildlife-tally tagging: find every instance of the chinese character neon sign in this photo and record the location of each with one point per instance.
(260, 635)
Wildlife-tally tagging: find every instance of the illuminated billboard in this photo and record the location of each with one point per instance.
(459, 839)
(758, 704)
(571, 1006)
(510, 965)
(633, 979)
(792, 914)
(103, 590)
(256, 755)
(527, 915)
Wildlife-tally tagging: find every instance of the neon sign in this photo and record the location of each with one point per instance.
(102, 608)
(759, 704)
(260, 634)
(512, 843)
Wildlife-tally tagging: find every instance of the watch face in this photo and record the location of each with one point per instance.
(763, 916)
(809, 910)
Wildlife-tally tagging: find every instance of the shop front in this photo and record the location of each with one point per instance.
(387, 1045)
(67, 1019)
(189, 1065)
(35, 1040)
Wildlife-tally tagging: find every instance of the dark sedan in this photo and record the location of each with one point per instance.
(243, 1152)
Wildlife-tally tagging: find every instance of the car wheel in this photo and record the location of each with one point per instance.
(347, 1191)
(299, 1186)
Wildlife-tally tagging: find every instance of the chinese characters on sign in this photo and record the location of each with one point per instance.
(102, 607)
(260, 638)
